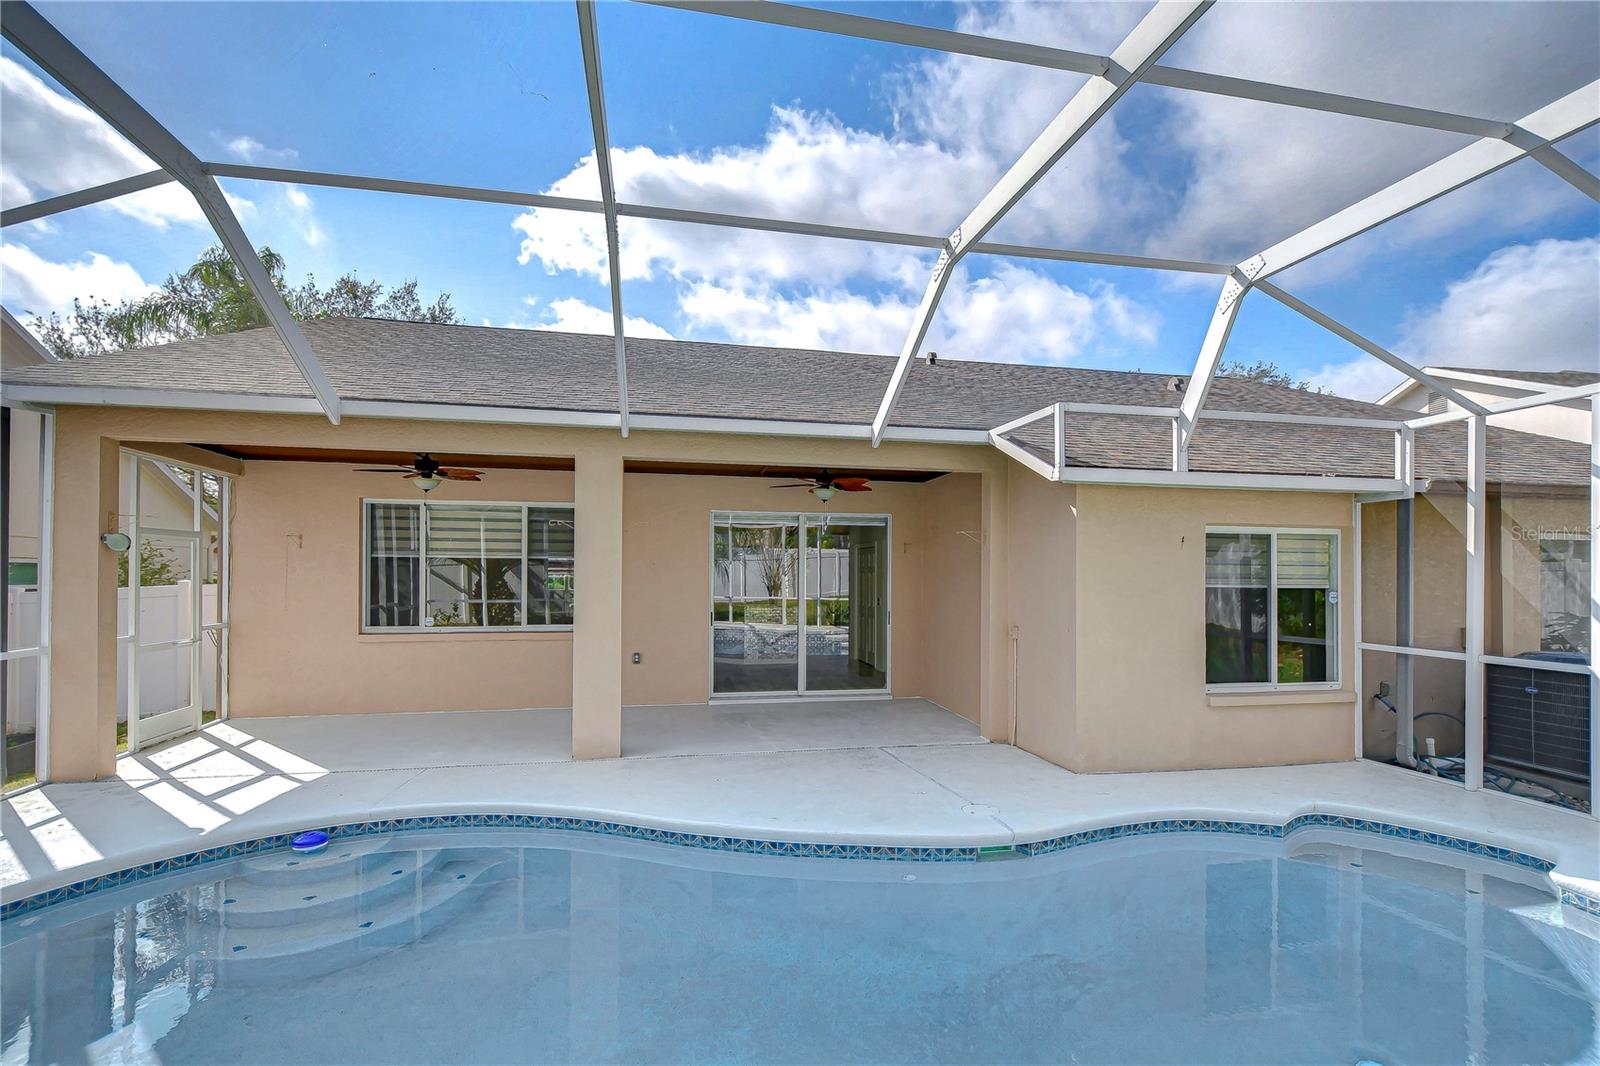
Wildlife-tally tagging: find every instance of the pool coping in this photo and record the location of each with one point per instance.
(1565, 889)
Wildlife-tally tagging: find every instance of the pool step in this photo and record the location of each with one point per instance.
(344, 885)
(288, 867)
(335, 939)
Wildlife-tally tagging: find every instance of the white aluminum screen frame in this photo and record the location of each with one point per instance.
(40, 652)
(218, 632)
(1500, 143)
(1474, 658)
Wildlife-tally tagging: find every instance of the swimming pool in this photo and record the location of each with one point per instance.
(517, 945)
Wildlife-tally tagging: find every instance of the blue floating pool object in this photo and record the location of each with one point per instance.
(315, 840)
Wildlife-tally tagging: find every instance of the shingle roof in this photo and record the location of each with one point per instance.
(1559, 378)
(383, 360)
(376, 359)
(1221, 446)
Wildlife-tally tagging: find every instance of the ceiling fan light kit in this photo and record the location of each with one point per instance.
(426, 472)
(825, 486)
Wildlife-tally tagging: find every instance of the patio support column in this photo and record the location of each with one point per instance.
(597, 620)
(83, 581)
(994, 714)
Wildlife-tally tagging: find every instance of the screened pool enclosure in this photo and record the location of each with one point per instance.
(1478, 611)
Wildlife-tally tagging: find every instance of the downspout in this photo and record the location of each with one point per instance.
(1011, 732)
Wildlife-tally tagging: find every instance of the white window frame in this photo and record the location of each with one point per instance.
(1334, 586)
(806, 520)
(423, 505)
(1564, 536)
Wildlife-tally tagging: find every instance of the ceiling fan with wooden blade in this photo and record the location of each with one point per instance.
(824, 485)
(426, 472)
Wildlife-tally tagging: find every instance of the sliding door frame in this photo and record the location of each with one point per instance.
(804, 521)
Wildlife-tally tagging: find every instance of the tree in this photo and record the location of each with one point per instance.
(156, 567)
(212, 297)
(1268, 374)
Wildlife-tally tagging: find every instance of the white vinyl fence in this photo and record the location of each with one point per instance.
(163, 675)
(747, 573)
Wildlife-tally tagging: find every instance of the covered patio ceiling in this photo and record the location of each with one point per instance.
(487, 461)
(1499, 142)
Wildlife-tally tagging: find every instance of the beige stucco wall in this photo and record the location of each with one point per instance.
(667, 575)
(948, 549)
(296, 645)
(296, 595)
(1103, 587)
(1439, 574)
(81, 734)
(1044, 617)
(1518, 521)
(1141, 694)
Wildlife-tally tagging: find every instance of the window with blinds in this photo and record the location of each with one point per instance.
(1271, 607)
(468, 565)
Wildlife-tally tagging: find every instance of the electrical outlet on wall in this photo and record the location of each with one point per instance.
(637, 658)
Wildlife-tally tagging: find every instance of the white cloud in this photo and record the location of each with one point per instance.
(55, 145)
(808, 167)
(777, 289)
(833, 319)
(1013, 315)
(34, 285)
(1260, 172)
(1164, 173)
(1526, 307)
(959, 122)
(1360, 378)
(572, 315)
(250, 150)
(300, 210)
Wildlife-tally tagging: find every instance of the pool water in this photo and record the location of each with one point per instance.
(498, 946)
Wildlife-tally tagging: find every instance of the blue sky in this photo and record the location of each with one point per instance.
(769, 121)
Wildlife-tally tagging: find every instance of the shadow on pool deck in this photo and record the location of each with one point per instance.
(882, 772)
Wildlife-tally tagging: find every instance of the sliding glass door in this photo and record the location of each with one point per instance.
(799, 604)
(755, 611)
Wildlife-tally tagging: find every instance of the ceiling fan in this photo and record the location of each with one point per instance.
(426, 472)
(824, 485)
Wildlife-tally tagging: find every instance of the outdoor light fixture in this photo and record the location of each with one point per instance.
(117, 542)
(823, 492)
(426, 484)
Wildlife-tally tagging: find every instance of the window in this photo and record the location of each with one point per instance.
(1272, 612)
(468, 565)
(1564, 594)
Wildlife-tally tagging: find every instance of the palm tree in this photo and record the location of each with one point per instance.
(210, 297)
(213, 297)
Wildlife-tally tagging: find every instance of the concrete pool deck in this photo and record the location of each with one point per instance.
(902, 772)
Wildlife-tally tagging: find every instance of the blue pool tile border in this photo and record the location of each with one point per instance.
(1586, 904)
(798, 849)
